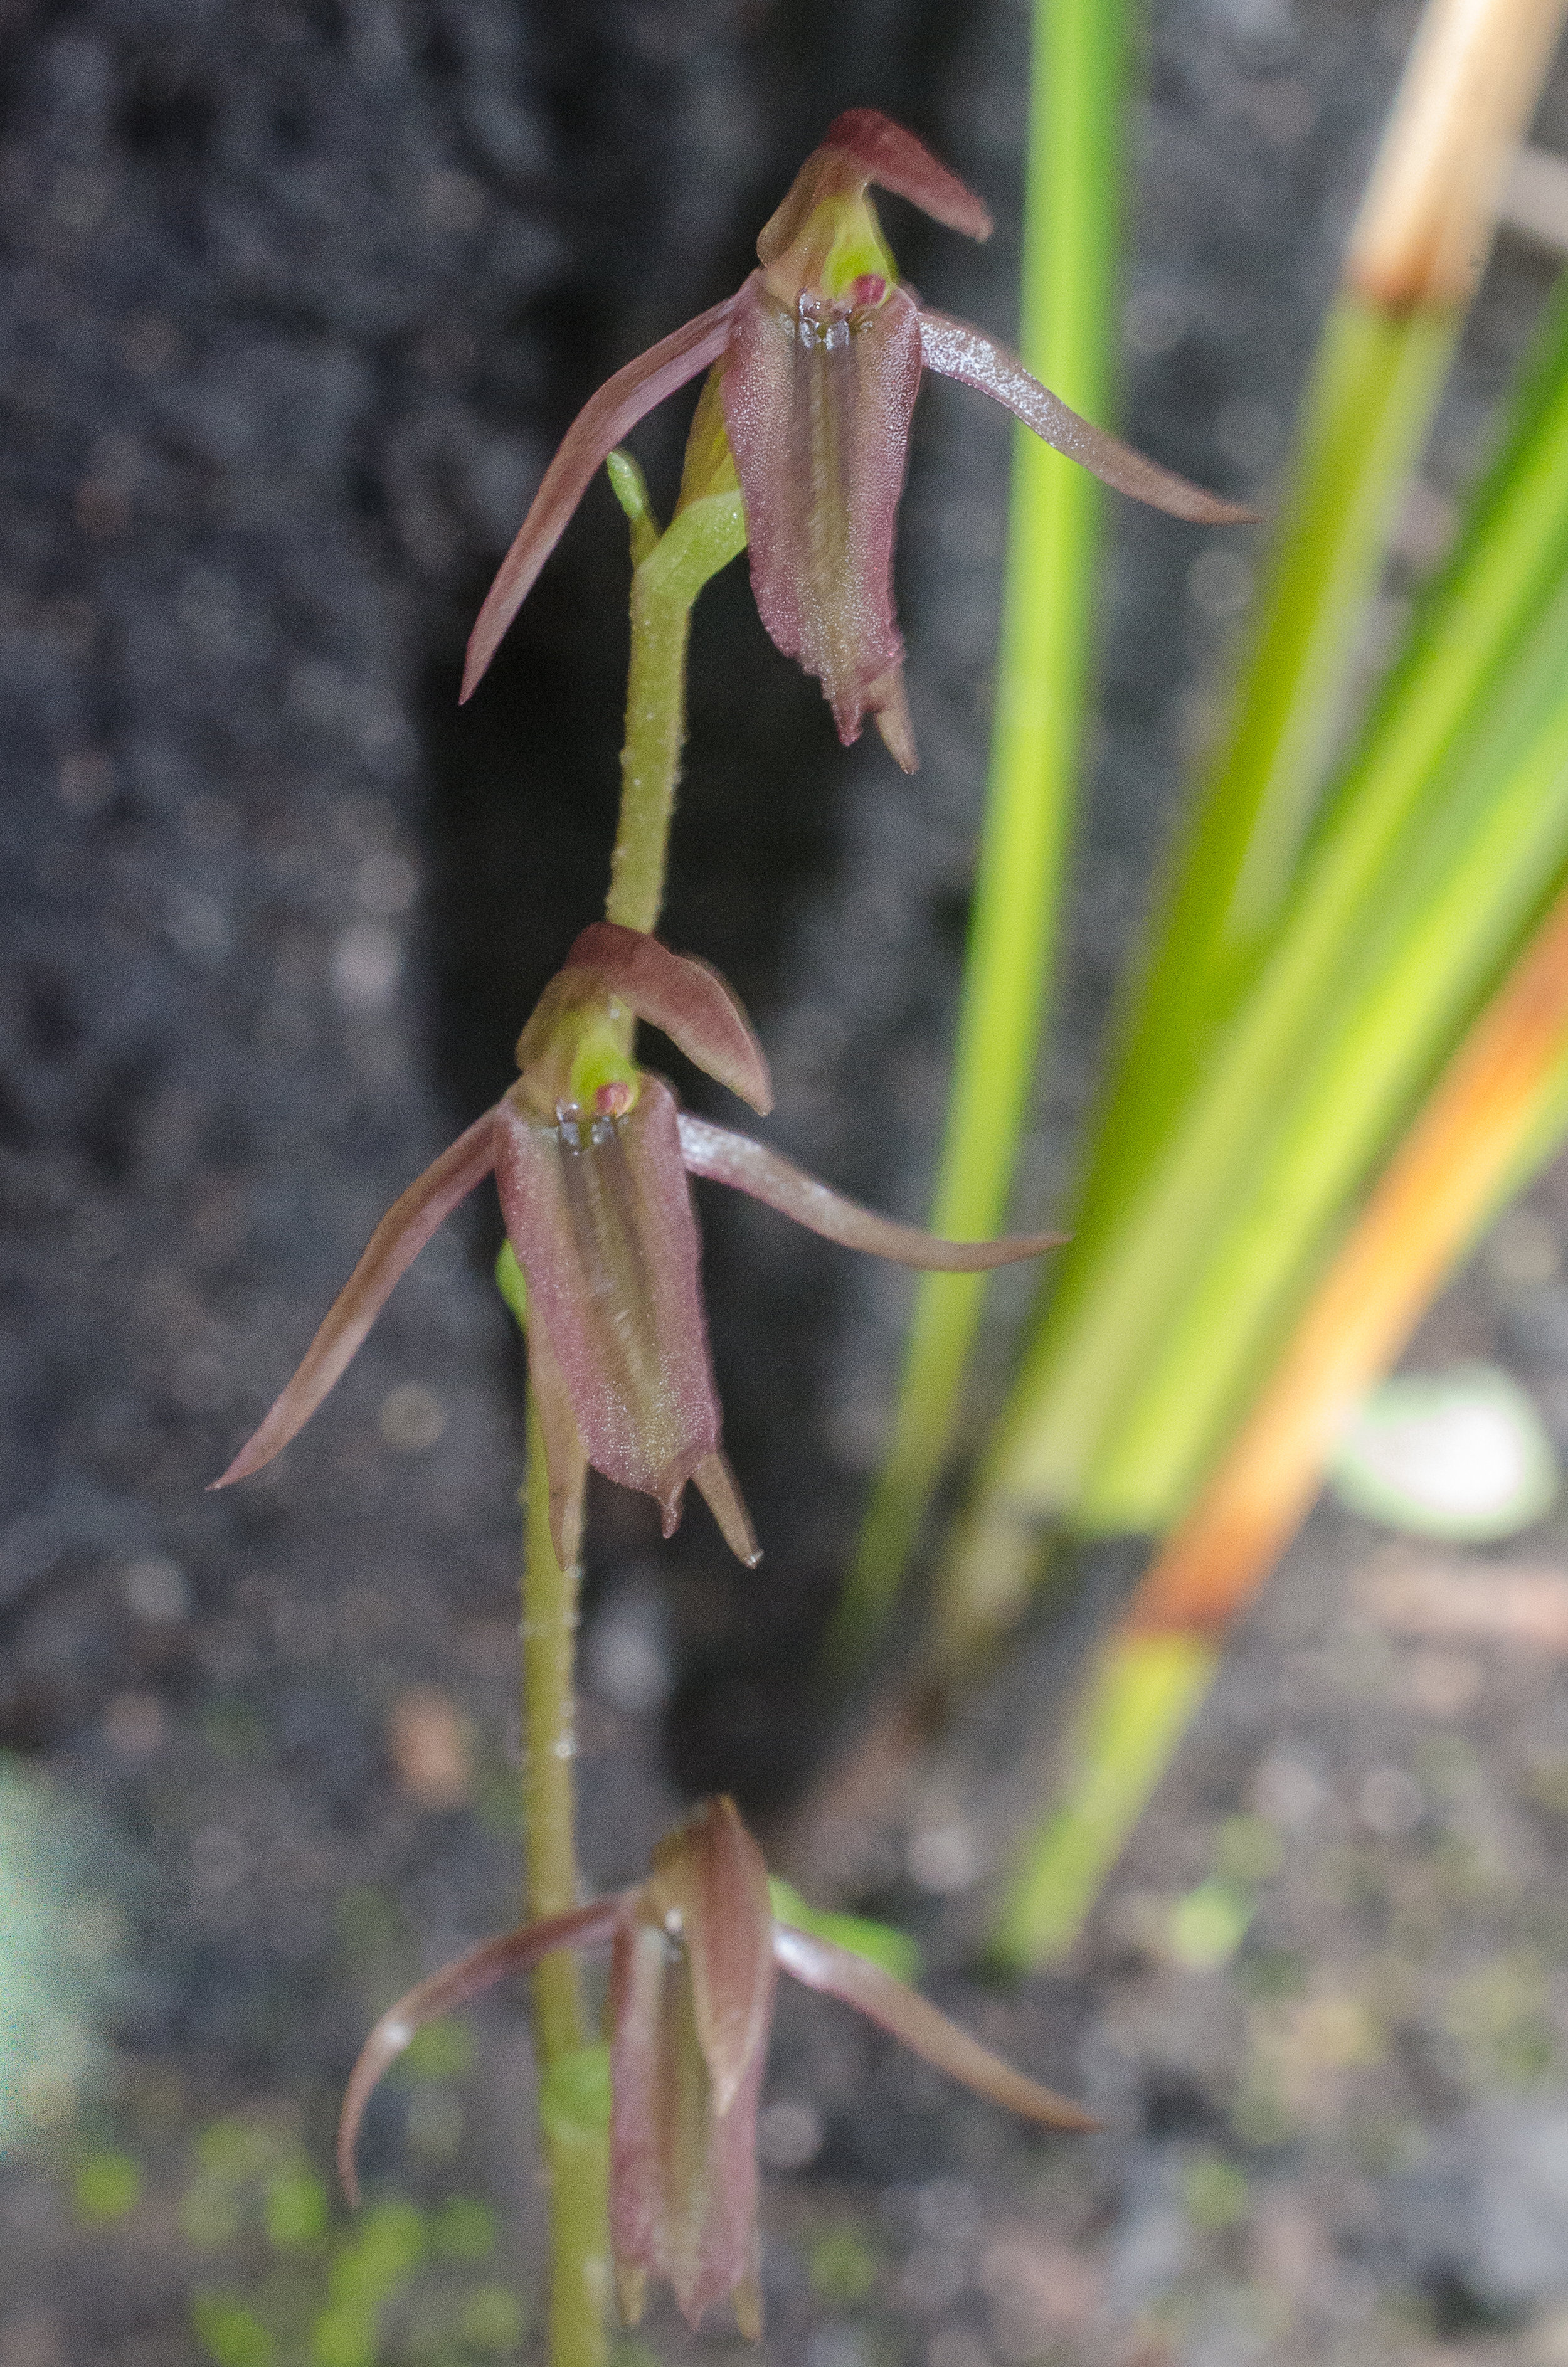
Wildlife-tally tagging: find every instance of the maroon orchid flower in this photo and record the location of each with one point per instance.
(696, 1954)
(591, 1154)
(818, 359)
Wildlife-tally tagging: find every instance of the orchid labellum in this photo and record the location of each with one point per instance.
(696, 1953)
(591, 1154)
(818, 361)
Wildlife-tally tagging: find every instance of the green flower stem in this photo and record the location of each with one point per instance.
(548, 1637)
(669, 570)
(573, 2124)
(1072, 215)
(574, 2143)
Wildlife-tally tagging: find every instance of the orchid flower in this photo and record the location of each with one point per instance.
(695, 1957)
(818, 360)
(591, 1155)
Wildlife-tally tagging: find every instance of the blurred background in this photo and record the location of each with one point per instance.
(298, 299)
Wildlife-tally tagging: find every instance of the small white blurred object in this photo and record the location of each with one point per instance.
(1461, 1455)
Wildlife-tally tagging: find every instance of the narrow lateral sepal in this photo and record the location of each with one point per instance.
(392, 1249)
(916, 2023)
(956, 350)
(734, 1159)
(454, 1984)
(717, 1486)
(604, 421)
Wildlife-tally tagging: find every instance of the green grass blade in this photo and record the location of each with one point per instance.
(1404, 832)
(1374, 389)
(1381, 819)
(1140, 1699)
(1493, 1119)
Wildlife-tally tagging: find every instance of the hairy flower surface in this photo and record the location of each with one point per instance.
(591, 1154)
(818, 359)
(696, 1953)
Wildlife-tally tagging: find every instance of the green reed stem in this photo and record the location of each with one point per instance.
(1072, 220)
(669, 570)
(1374, 388)
(1494, 1118)
(1442, 836)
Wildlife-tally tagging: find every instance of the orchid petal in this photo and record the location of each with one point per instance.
(817, 413)
(956, 350)
(893, 158)
(863, 145)
(748, 1166)
(393, 1247)
(599, 427)
(684, 998)
(710, 1883)
(917, 2024)
(565, 1463)
(491, 1961)
(599, 1215)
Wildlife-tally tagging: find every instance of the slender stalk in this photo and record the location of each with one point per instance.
(1071, 218)
(669, 570)
(1495, 1116)
(706, 533)
(571, 2118)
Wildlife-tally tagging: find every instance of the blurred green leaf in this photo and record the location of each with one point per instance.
(1214, 2192)
(491, 2321)
(106, 2185)
(463, 2230)
(879, 1944)
(296, 2210)
(574, 2095)
(841, 2266)
(230, 2333)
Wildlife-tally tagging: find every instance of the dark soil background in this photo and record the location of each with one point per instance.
(299, 296)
